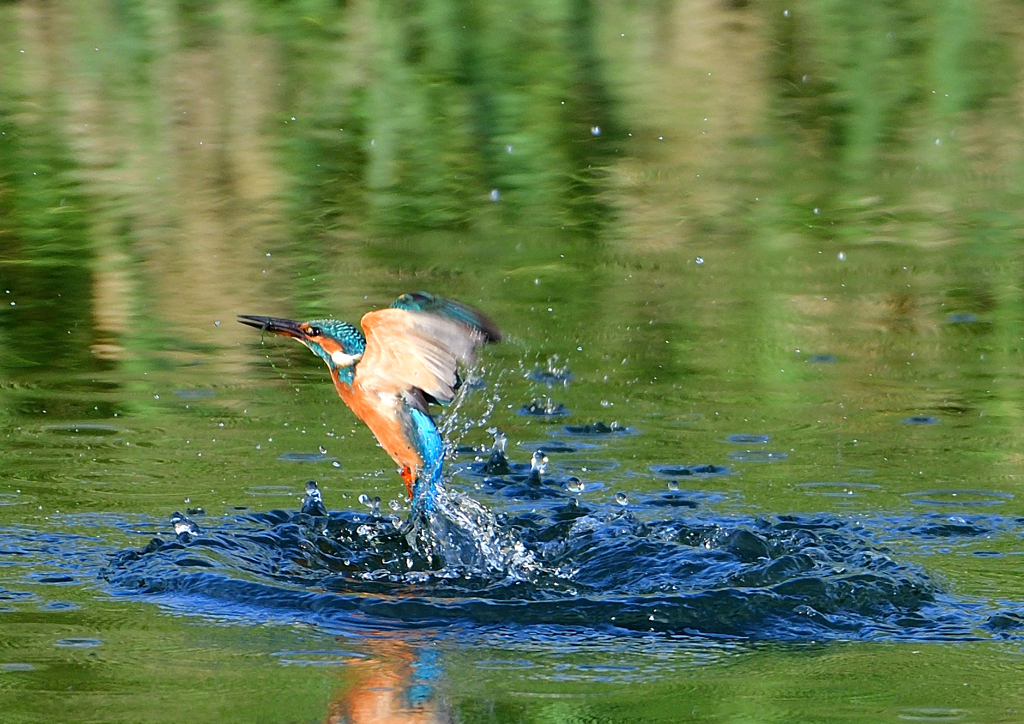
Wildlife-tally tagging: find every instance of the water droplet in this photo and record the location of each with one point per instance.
(495, 195)
(395, 505)
(817, 211)
(183, 526)
(574, 485)
(595, 130)
(673, 485)
(621, 498)
(312, 501)
(699, 260)
(538, 463)
(785, 13)
(216, 323)
(841, 256)
(323, 450)
(364, 499)
(336, 464)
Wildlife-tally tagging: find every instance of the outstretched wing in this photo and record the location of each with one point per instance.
(413, 348)
(450, 309)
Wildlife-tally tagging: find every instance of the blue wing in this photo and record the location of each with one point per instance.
(450, 309)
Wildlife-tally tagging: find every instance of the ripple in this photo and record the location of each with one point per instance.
(543, 407)
(786, 578)
(757, 456)
(78, 643)
(193, 394)
(959, 497)
(598, 429)
(696, 471)
(551, 376)
(838, 490)
(317, 658)
(54, 579)
(59, 606)
(305, 457)
(8, 595)
(821, 359)
(860, 472)
(17, 666)
(746, 439)
(94, 429)
(920, 420)
(962, 318)
(935, 714)
(12, 499)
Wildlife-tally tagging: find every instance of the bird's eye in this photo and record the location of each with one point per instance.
(314, 332)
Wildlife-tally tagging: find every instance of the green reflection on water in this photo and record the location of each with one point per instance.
(848, 175)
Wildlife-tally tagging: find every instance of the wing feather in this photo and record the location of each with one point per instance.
(415, 353)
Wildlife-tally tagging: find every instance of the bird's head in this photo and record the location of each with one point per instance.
(337, 343)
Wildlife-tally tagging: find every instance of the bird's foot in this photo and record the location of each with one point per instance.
(409, 477)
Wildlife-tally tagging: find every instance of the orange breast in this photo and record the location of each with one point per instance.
(382, 416)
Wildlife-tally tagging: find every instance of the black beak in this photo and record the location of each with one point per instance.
(277, 325)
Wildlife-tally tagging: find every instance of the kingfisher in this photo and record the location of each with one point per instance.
(404, 359)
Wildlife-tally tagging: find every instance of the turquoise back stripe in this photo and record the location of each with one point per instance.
(431, 448)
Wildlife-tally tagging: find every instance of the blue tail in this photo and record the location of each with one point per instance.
(431, 448)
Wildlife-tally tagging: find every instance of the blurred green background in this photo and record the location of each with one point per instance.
(798, 219)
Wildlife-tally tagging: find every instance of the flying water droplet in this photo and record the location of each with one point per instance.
(364, 499)
(699, 260)
(497, 463)
(574, 485)
(313, 501)
(673, 485)
(621, 498)
(323, 450)
(538, 463)
(183, 527)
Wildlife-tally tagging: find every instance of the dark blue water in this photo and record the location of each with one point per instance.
(658, 562)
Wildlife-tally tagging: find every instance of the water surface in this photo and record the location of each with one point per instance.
(759, 271)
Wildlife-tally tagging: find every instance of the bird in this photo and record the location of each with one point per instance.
(391, 368)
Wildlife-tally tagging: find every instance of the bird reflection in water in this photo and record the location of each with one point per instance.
(397, 686)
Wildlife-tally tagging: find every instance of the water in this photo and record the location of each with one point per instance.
(764, 329)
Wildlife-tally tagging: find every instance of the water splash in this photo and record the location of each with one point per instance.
(313, 501)
(551, 375)
(543, 407)
(573, 564)
(184, 528)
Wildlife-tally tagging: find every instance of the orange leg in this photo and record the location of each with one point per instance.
(409, 478)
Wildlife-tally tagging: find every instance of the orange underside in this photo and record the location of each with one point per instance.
(383, 421)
